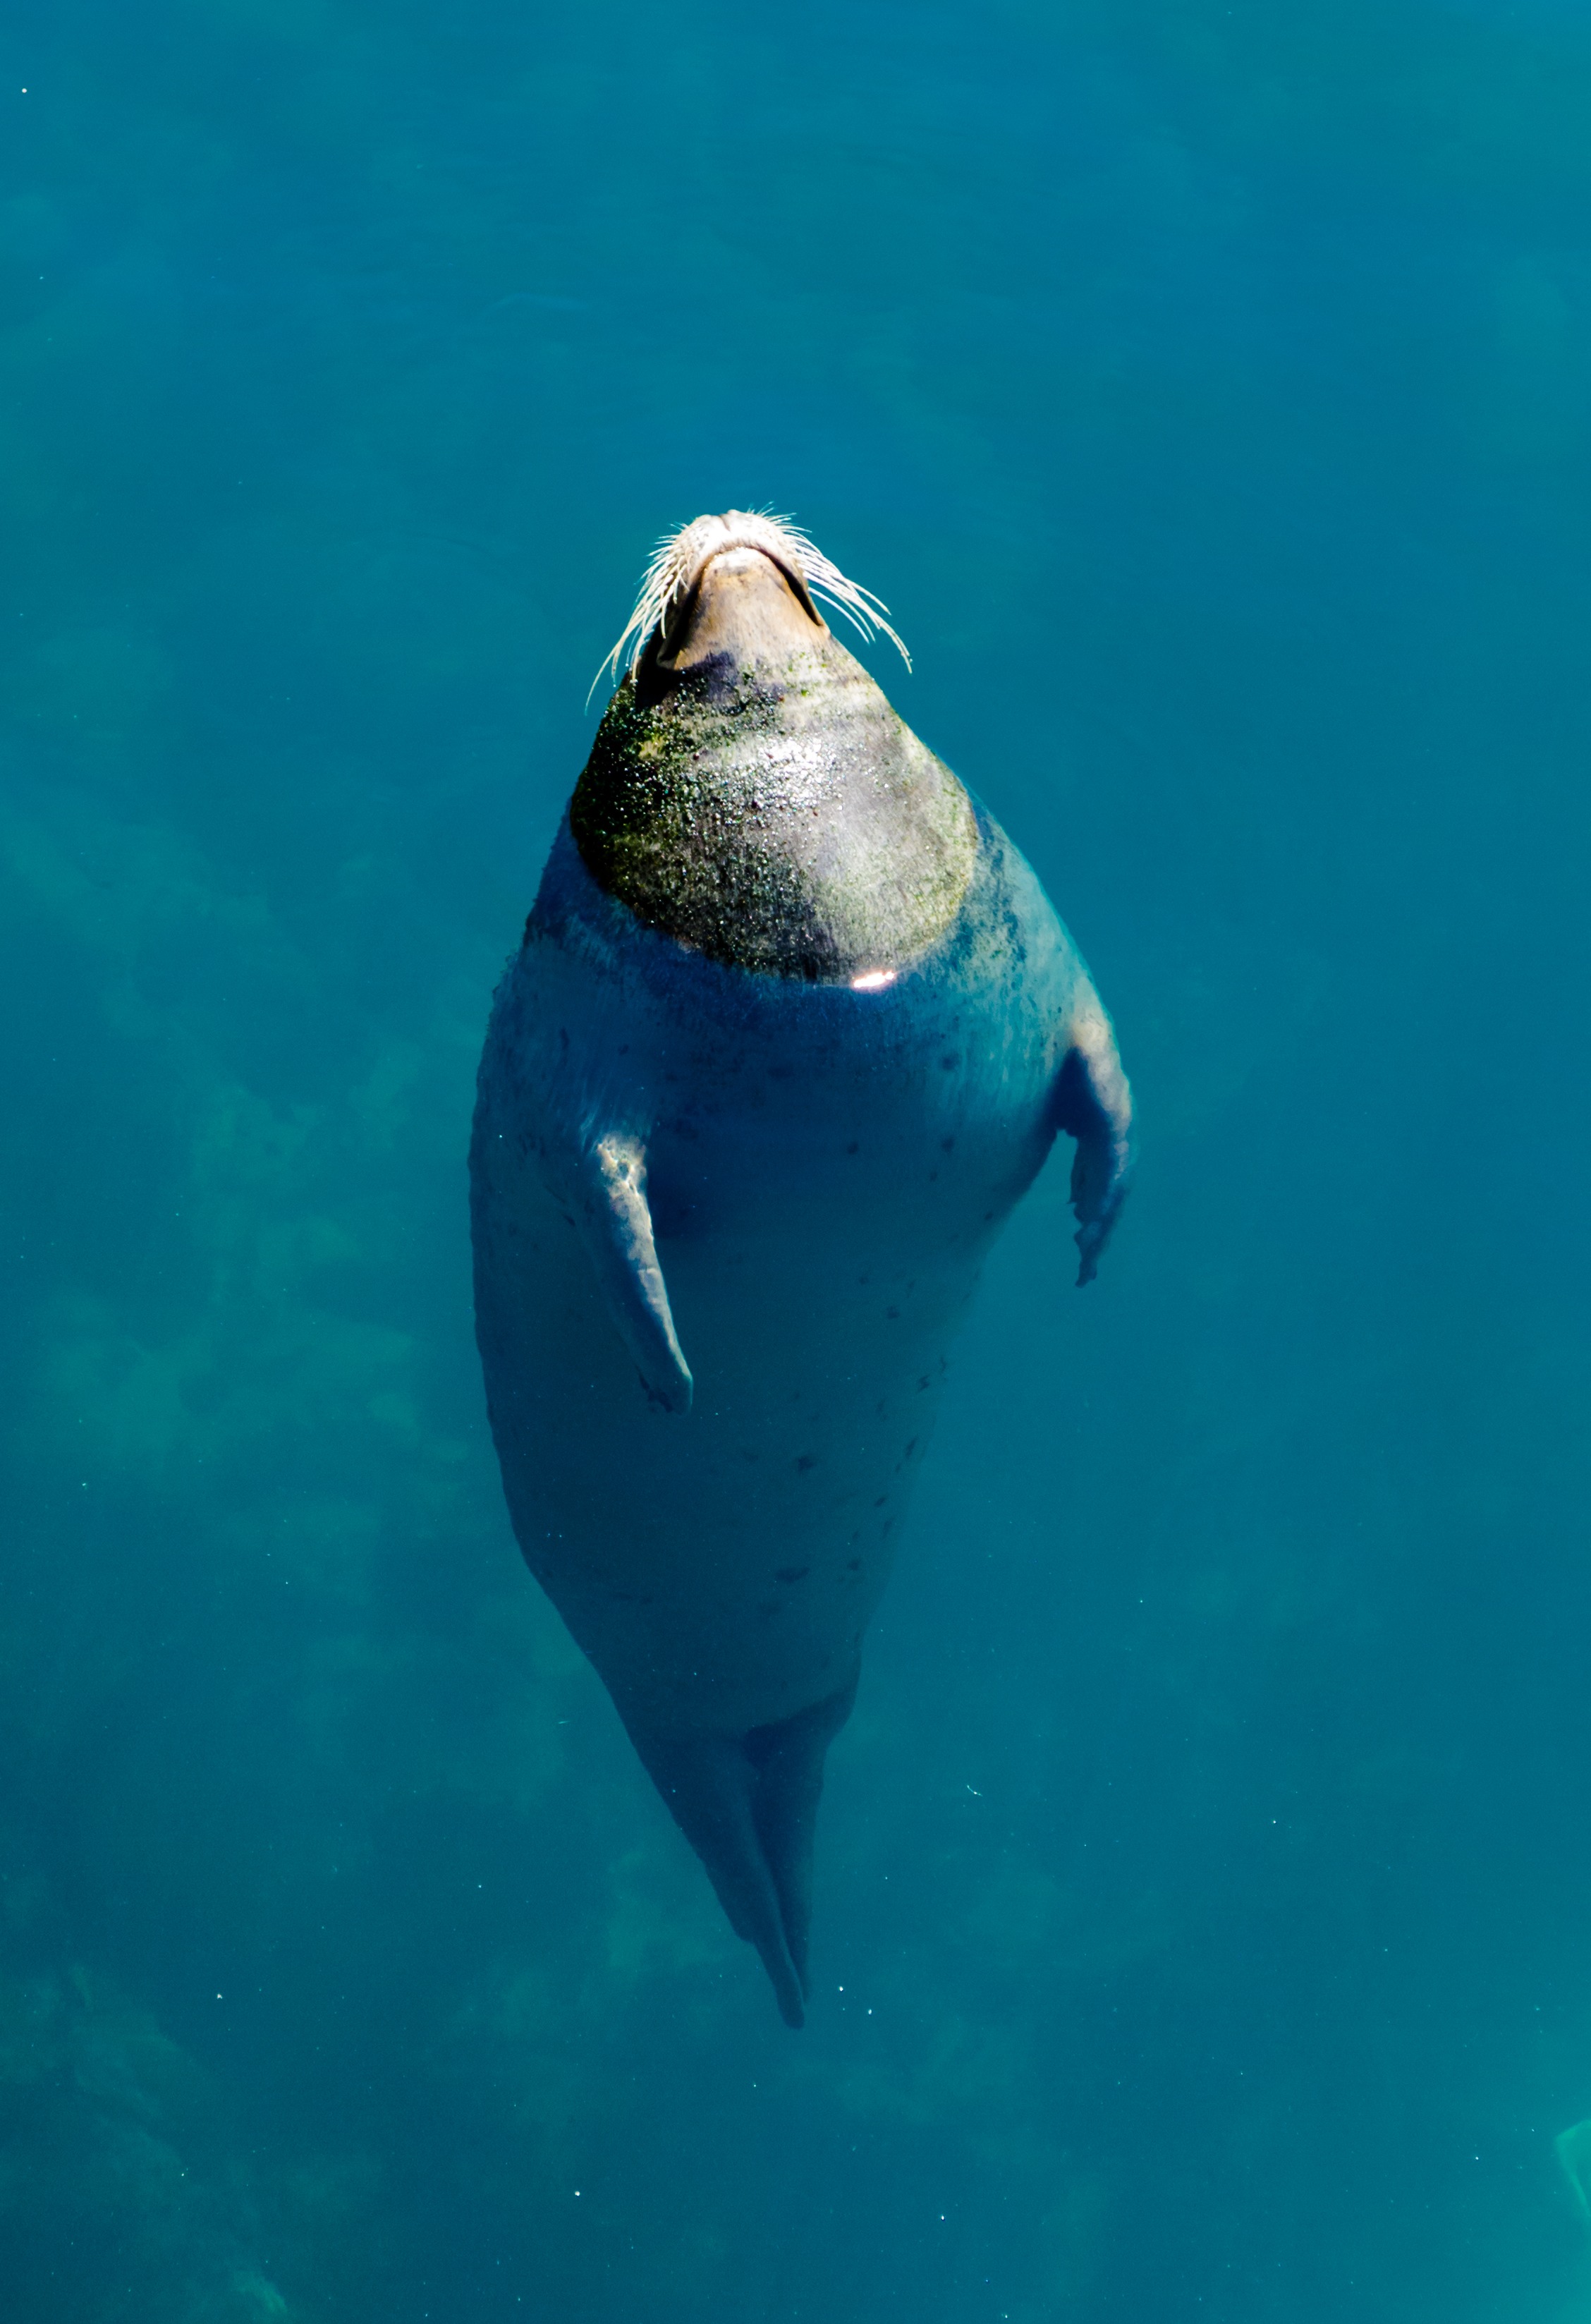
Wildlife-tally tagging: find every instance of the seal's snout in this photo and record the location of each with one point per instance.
(735, 541)
(741, 609)
(744, 587)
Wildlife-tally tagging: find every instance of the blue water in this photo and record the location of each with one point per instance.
(1204, 1907)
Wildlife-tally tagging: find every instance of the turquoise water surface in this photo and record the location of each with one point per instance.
(1204, 1904)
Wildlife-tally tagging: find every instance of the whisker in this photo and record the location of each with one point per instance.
(680, 556)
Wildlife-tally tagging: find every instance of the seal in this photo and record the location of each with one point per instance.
(792, 1029)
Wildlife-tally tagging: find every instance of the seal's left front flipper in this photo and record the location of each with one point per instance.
(1094, 1105)
(616, 1222)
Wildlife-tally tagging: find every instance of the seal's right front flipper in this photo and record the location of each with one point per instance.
(1094, 1105)
(616, 1225)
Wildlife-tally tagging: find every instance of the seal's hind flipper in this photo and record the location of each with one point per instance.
(617, 1224)
(748, 1804)
(1093, 1104)
(788, 1760)
(709, 1783)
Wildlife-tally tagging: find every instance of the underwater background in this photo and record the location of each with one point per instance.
(1204, 1886)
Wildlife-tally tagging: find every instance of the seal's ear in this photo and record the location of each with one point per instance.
(1093, 1104)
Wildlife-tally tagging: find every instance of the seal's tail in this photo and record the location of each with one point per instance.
(748, 1804)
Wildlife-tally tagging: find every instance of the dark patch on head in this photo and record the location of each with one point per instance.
(714, 678)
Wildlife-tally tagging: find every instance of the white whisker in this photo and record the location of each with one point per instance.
(679, 557)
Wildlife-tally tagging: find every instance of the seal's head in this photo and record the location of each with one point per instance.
(752, 793)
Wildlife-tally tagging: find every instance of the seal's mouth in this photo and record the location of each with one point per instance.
(745, 548)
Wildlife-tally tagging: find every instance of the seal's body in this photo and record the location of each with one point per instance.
(777, 1136)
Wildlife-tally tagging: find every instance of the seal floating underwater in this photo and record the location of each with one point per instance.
(791, 1030)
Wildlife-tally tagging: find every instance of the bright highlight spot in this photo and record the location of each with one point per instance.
(873, 979)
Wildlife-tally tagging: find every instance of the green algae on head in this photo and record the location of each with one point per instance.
(751, 792)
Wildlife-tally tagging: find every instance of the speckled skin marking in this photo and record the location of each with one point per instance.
(701, 1154)
(787, 821)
